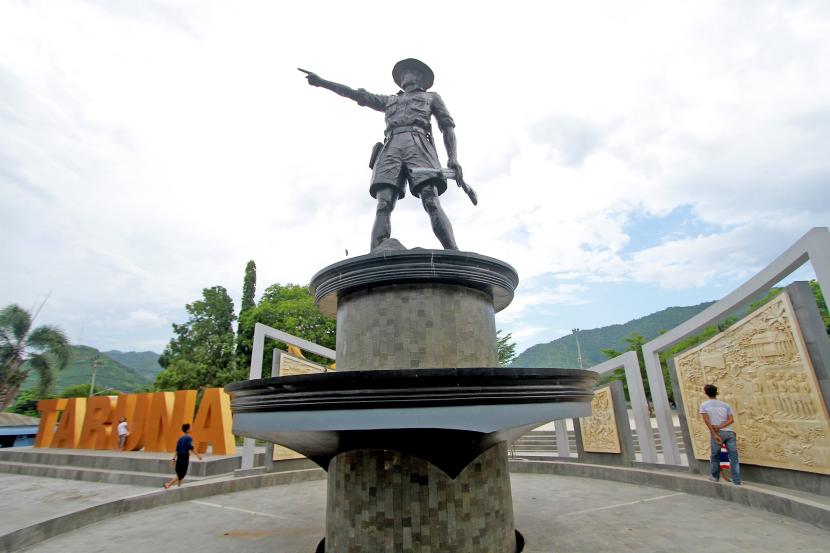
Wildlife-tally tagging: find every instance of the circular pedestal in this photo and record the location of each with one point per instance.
(388, 502)
(494, 277)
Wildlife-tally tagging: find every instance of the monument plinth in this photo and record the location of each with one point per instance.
(415, 309)
(413, 427)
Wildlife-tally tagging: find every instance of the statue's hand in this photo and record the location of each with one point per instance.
(455, 166)
(312, 78)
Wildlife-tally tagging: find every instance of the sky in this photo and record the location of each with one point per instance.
(628, 156)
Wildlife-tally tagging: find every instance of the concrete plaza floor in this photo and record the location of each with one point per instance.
(555, 514)
(25, 500)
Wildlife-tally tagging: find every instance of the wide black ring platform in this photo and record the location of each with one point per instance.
(445, 416)
(472, 270)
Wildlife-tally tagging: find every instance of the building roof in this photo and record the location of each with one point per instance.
(13, 419)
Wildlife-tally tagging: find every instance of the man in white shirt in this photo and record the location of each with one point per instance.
(718, 417)
(123, 432)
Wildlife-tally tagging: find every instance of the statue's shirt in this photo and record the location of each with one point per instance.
(408, 108)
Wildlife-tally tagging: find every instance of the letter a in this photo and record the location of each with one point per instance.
(71, 423)
(213, 423)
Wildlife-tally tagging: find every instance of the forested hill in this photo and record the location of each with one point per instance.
(145, 363)
(562, 351)
(109, 373)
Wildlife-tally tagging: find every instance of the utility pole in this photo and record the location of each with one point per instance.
(92, 384)
(578, 348)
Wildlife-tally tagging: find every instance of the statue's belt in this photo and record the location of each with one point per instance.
(408, 128)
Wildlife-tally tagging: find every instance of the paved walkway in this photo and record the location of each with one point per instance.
(555, 514)
(25, 500)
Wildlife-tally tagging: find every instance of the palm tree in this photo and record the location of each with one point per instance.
(24, 350)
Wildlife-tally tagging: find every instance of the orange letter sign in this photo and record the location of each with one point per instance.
(49, 410)
(134, 408)
(182, 413)
(159, 425)
(98, 422)
(71, 423)
(213, 423)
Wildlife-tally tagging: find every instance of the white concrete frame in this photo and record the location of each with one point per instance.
(639, 404)
(563, 447)
(261, 332)
(813, 246)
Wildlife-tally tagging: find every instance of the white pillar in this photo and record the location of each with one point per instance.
(257, 352)
(563, 447)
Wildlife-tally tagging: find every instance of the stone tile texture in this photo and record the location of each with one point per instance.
(386, 502)
(415, 326)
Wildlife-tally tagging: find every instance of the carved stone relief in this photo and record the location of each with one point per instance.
(599, 431)
(291, 365)
(761, 368)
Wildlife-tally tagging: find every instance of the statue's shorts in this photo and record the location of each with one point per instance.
(402, 151)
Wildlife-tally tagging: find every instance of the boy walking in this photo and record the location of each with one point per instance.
(718, 417)
(181, 460)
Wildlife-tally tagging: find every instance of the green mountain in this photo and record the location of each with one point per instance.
(562, 351)
(145, 363)
(109, 373)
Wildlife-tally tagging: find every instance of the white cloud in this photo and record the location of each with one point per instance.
(148, 151)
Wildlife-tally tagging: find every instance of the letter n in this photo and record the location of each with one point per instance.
(158, 426)
(182, 413)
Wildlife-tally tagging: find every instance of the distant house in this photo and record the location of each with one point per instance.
(17, 430)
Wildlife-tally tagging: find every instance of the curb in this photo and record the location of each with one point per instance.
(765, 498)
(34, 533)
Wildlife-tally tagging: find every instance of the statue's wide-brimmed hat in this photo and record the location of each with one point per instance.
(418, 65)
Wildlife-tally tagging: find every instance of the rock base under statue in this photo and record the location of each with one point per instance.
(387, 502)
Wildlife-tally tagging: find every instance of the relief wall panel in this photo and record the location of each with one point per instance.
(291, 365)
(761, 368)
(599, 431)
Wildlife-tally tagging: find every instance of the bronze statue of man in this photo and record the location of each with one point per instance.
(408, 152)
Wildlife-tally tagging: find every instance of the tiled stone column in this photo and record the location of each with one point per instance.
(381, 501)
(415, 326)
(389, 502)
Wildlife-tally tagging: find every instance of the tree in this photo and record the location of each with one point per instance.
(635, 343)
(26, 404)
(248, 288)
(506, 348)
(202, 352)
(289, 308)
(822, 304)
(24, 350)
(248, 292)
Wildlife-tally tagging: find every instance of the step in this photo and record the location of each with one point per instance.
(131, 478)
(120, 461)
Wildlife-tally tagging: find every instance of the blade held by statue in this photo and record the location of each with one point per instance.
(447, 174)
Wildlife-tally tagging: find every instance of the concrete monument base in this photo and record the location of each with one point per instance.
(413, 427)
(384, 501)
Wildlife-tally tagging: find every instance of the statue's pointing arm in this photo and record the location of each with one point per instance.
(361, 96)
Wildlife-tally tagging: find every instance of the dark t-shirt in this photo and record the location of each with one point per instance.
(185, 445)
